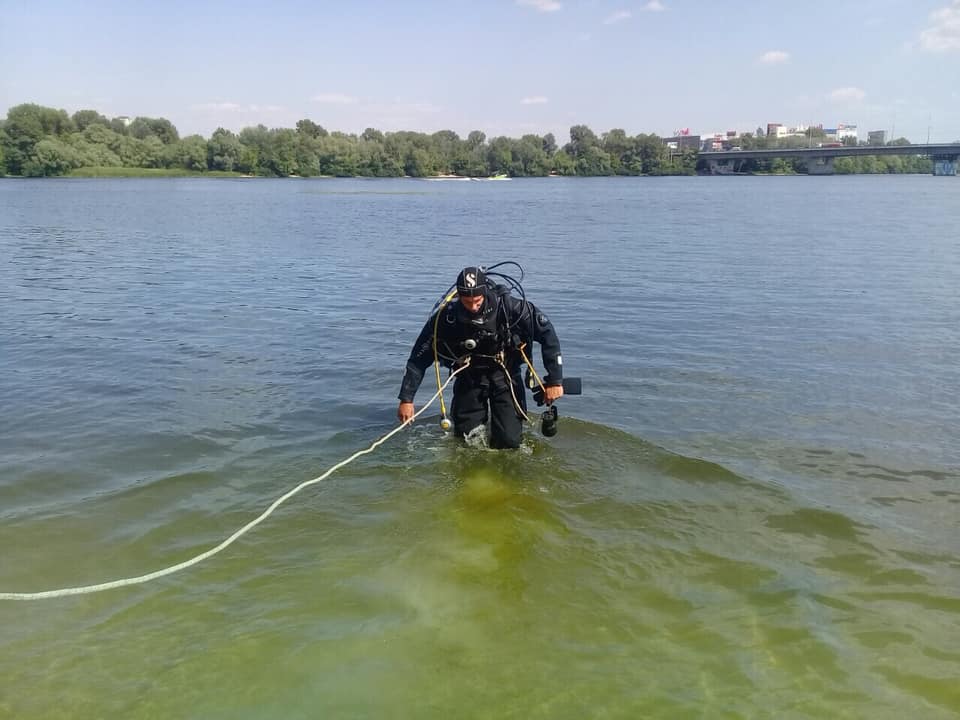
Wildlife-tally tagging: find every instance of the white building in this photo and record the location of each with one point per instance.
(846, 131)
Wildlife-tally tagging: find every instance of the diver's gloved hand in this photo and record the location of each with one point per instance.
(547, 394)
(552, 392)
(405, 411)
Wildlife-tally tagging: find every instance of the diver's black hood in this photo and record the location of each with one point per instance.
(471, 281)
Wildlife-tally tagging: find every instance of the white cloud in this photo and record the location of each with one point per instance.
(534, 100)
(618, 16)
(541, 5)
(403, 114)
(230, 107)
(848, 95)
(334, 99)
(417, 108)
(944, 35)
(774, 57)
(654, 6)
(203, 118)
(222, 106)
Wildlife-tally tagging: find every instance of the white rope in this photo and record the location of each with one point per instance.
(86, 589)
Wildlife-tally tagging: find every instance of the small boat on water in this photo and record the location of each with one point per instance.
(501, 176)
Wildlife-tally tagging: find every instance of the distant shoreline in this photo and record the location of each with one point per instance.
(140, 173)
(133, 172)
(38, 141)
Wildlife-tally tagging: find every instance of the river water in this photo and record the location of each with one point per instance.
(752, 510)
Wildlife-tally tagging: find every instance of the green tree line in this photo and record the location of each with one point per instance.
(37, 141)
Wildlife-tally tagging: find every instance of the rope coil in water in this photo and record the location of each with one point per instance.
(123, 582)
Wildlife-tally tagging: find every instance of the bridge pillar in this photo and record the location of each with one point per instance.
(722, 167)
(820, 166)
(945, 165)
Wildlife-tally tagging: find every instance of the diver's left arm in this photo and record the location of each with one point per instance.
(540, 328)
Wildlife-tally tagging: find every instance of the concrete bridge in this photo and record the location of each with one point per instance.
(819, 160)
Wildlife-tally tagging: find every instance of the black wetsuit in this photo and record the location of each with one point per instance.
(495, 361)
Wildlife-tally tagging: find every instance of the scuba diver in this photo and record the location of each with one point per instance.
(487, 329)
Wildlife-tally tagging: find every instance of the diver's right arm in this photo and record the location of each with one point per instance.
(405, 412)
(420, 358)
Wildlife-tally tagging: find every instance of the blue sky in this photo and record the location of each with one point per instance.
(506, 67)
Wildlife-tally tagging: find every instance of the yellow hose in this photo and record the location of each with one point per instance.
(436, 357)
(530, 365)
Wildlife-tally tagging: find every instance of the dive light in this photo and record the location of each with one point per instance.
(571, 386)
(548, 421)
